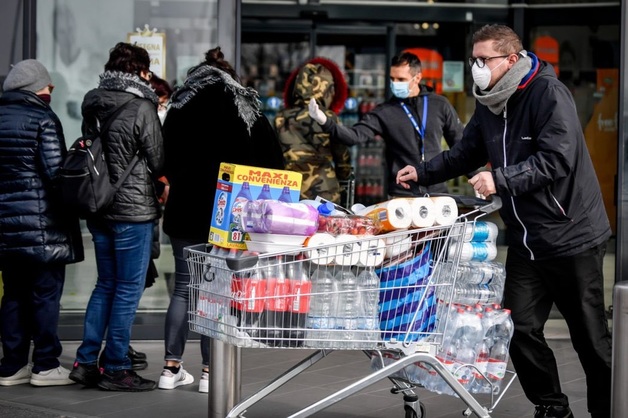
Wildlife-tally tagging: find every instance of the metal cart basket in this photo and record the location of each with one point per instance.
(321, 298)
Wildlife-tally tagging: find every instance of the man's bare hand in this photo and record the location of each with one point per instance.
(483, 184)
(406, 174)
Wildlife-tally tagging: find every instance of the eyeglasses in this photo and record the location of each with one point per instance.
(149, 75)
(50, 88)
(481, 62)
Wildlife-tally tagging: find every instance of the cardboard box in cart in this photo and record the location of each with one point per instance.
(237, 183)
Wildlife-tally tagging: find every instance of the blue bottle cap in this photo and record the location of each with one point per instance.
(326, 208)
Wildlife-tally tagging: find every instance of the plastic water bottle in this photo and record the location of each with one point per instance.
(480, 231)
(265, 193)
(465, 356)
(480, 272)
(503, 324)
(319, 320)
(298, 304)
(447, 357)
(368, 310)
(346, 316)
(278, 291)
(285, 195)
(488, 326)
(481, 385)
(476, 251)
(497, 363)
(471, 294)
(235, 226)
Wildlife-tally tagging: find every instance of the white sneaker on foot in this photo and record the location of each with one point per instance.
(53, 377)
(169, 380)
(19, 378)
(203, 384)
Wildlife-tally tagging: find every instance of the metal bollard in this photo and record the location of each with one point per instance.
(619, 388)
(224, 377)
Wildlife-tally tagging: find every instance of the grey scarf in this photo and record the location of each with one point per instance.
(495, 99)
(131, 83)
(245, 98)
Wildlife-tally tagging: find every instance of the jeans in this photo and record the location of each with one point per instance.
(30, 310)
(122, 256)
(177, 327)
(575, 285)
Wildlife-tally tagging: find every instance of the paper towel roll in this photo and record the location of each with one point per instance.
(372, 252)
(348, 250)
(446, 210)
(422, 211)
(398, 245)
(319, 248)
(392, 214)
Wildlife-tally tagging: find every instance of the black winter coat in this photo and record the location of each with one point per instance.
(136, 129)
(390, 121)
(194, 150)
(34, 227)
(552, 203)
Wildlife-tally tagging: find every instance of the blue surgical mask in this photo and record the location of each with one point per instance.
(400, 89)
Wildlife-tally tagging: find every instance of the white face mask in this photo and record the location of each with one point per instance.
(400, 89)
(162, 115)
(482, 76)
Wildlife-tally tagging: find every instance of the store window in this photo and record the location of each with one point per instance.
(73, 41)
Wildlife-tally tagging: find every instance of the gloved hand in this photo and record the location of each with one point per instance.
(315, 112)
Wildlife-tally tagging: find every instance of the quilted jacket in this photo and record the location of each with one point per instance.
(136, 129)
(34, 227)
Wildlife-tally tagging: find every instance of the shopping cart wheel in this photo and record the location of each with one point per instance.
(411, 402)
(412, 413)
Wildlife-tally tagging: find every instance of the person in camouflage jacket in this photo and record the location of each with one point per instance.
(306, 148)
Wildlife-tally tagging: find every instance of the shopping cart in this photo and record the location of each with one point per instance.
(274, 300)
(347, 191)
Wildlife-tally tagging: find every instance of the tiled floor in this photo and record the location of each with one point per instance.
(260, 366)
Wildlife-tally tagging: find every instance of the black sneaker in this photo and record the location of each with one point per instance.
(125, 381)
(138, 360)
(87, 375)
(553, 411)
(136, 355)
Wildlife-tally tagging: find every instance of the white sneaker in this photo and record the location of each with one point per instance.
(53, 377)
(203, 384)
(169, 380)
(19, 378)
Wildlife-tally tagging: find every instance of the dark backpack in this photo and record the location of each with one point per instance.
(85, 184)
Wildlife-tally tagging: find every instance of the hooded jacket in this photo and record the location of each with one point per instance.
(212, 119)
(136, 129)
(306, 148)
(34, 227)
(551, 200)
(390, 121)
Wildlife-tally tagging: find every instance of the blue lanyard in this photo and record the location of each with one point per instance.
(419, 129)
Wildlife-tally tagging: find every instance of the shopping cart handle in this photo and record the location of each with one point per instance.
(242, 263)
(486, 206)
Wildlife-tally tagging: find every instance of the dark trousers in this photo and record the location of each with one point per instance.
(575, 285)
(177, 327)
(30, 310)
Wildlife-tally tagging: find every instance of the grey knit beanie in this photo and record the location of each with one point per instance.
(29, 75)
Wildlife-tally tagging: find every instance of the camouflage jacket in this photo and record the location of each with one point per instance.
(306, 148)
